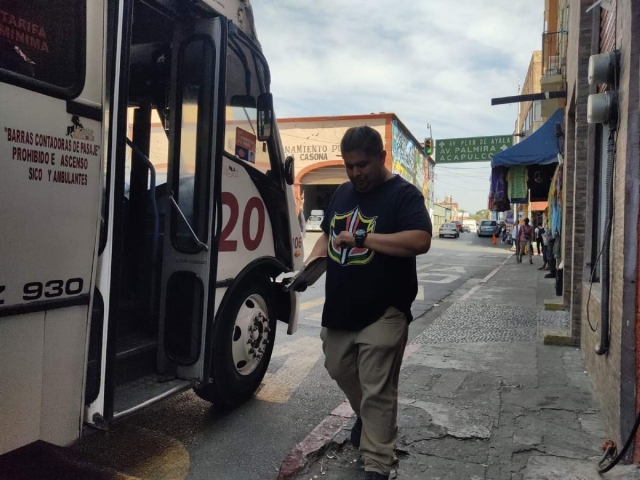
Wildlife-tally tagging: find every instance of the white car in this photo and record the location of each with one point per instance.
(449, 229)
(315, 220)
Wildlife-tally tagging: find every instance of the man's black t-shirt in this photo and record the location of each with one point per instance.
(362, 284)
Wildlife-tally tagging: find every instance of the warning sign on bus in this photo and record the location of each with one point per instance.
(50, 192)
(245, 145)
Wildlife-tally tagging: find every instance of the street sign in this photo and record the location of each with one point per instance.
(476, 149)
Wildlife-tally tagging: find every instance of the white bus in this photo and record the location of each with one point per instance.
(146, 211)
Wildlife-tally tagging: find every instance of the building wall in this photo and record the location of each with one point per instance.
(315, 144)
(580, 146)
(604, 370)
(315, 140)
(441, 215)
(531, 85)
(613, 374)
(551, 15)
(627, 194)
(410, 162)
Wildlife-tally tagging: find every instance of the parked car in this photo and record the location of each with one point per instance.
(458, 224)
(471, 225)
(449, 230)
(487, 228)
(315, 220)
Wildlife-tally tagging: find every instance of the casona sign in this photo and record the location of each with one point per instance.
(313, 153)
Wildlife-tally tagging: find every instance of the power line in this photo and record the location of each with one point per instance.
(464, 175)
(337, 142)
(463, 168)
(466, 188)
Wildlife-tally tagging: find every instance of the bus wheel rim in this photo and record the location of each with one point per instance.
(250, 334)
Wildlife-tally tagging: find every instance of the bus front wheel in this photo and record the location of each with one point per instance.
(243, 339)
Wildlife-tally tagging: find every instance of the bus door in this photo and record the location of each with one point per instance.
(190, 254)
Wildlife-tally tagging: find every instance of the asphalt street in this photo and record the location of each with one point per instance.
(185, 437)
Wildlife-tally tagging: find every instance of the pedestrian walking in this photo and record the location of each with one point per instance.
(525, 238)
(538, 235)
(544, 236)
(374, 227)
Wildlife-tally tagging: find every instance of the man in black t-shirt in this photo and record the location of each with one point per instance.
(374, 227)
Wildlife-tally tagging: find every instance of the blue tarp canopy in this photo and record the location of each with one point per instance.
(540, 148)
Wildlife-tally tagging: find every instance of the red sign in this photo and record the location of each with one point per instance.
(245, 145)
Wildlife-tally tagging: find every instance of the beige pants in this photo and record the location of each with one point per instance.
(529, 246)
(366, 366)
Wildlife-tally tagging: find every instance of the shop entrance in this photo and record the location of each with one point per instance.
(318, 187)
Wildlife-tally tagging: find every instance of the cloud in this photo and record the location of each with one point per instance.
(428, 61)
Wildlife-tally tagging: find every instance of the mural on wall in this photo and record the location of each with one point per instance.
(408, 161)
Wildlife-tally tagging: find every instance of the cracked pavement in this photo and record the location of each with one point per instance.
(481, 398)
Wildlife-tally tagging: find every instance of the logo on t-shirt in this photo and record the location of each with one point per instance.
(351, 221)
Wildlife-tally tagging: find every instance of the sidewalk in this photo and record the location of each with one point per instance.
(481, 397)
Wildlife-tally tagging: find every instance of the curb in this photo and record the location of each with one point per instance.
(484, 281)
(558, 337)
(554, 305)
(318, 441)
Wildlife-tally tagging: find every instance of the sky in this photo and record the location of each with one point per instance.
(436, 62)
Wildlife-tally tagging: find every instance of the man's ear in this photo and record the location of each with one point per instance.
(383, 156)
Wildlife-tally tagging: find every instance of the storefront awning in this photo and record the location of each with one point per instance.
(539, 206)
(540, 148)
(325, 176)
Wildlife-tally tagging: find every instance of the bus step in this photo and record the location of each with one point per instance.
(135, 358)
(133, 344)
(134, 393)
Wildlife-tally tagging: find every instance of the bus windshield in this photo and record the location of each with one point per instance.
(247, 78)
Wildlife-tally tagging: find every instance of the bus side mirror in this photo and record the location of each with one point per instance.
(265, 116)
(288, 170)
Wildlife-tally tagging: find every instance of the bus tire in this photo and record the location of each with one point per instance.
(238, 366)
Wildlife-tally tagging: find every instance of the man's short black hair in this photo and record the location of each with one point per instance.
(362, 139)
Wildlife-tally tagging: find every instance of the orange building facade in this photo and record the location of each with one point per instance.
(314, 142)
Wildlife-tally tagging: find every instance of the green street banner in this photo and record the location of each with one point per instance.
(475, 149)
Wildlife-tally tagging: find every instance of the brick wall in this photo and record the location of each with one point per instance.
(605, 370)
(614, 374)
(566, 238)
(577, 146)
(627, 181)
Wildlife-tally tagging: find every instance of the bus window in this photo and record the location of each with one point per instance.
(191, 158)
(245, 81)
(42, 45)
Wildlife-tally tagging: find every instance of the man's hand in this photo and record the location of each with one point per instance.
(410, 243)
(320, 248)
(344, 239)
